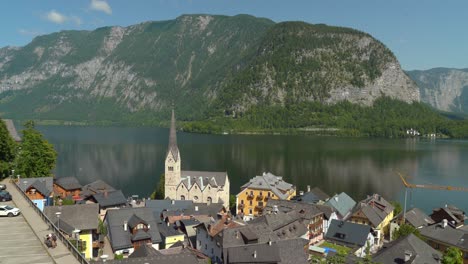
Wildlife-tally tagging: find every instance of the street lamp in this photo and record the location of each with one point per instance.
(58, 220)
(76, 232)
(12, 175)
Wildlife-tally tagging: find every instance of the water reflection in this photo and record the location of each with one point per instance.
(133, 158)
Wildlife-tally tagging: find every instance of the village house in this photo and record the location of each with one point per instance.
(451, 213)
(131, 228)
(355, 236)
(442, 235)
(414, 217)
(80, 220)
(169, 235)
(198, 186)
(98, 186)
(67, 188)
(376, 212)
(38, 190)
(314, 195)
(408, 249)
(342, 203)
(255, 194)
(108, 201)
(313, 215)
(272, 252)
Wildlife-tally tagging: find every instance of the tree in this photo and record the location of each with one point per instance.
(158, 193)
(232, 203)
(102, 228)
(7, 151)
(397, 208)
(405, 230)
(37, 157)
(452, 255)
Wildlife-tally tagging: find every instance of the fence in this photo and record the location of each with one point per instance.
(52, 226)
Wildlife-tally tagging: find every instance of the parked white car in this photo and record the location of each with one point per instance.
(6, 210)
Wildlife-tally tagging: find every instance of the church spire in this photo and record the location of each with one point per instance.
(173, 149)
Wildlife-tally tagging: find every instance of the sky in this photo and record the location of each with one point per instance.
(423, 34)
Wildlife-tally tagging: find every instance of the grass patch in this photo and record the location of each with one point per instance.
(338, 248)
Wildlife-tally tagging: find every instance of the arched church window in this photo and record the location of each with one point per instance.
(209, 199)
(182, 197)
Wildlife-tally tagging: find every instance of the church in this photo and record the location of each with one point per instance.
(198, 186)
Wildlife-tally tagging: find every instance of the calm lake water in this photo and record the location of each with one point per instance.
(133, 158)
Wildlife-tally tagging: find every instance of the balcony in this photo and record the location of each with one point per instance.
(260, 206)
(250, 196)
(241, 206)
(260, 197)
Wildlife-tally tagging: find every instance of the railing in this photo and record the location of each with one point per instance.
(51, 225)
(250, 196)
(260, 197)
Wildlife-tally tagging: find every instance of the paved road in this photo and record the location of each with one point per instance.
(37, 228)
(18, 243)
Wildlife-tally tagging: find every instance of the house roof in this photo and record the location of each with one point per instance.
(416, 217)
(451, 211)
(68, 183)
(306, 210)
(347, 233)
(140, 235)
(448, 235)
(145, 250)
(43, 184)
(167, 231)
(342, 202)
(270, 182)
(203, 178)
(184, 257)
(98, 186)
(77, 216)
(108, 199)
(121, 239)
(375, 208)
(290, 251)
(314, 196)
(134, 220)
(157, 206)
(394, 252)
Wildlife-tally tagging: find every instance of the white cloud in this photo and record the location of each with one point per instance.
(59, 18)
(27, 32)
(55, 17)
(100, 5)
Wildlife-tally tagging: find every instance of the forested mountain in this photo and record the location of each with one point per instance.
(443, 88)
(206, 66)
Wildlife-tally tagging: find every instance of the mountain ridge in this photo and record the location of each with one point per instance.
(203, 64)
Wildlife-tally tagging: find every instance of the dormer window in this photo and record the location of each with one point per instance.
(140, 226)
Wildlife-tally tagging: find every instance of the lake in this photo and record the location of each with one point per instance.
(132, 159)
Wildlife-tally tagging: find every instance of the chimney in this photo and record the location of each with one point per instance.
(172, 202)
(301, 193)
(237, 234)
(444, 223)
(196, 208)
(168, 224)
(408, 255)
(149, 226)
(105, 193)
(255, 254)
(336, 198)
(275, 209)
(269, 242)
(308, 188)
(125, 226)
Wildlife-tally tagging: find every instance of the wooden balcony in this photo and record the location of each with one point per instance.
(241, 206)
(250, 196)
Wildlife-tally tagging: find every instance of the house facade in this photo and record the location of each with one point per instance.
(38, 190)
(254, 195)
(67, 187)
(198, 186)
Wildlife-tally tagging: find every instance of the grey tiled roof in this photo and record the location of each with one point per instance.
(140, 235)
(203, 178)
(416, 217)
(157, 206)
(78, 216)
(144, 251)
(270, 182)
(134, 220)
(121, 239)
(68, 183)
(96, 187)
(342, 203)
(181, 258)
(109, 199)
(305, 210)
(448, 235)
(347, 233)
(167, 231)
(375, 208)
(394, 252)
(41, 187)
(25, 183)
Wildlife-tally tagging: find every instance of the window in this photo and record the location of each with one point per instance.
(206, 246)
(269, 194)
(171, 168)
(182, 197)
(261, 193)
(242, 201)
(195, 198)
(212, 251)
(251, 192)
(209, 199)
(250, 211)
(250, 202)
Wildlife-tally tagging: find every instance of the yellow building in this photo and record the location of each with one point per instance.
(255, 194)
(169, 235)
(86, 238)
(376, 212)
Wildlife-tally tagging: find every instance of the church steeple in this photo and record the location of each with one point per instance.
(173, 149)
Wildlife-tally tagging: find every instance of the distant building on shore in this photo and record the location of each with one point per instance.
(198, 186)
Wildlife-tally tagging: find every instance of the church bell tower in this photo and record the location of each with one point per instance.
(172, 164)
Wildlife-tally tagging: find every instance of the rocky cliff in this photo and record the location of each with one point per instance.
(201, 63)
(443, 88)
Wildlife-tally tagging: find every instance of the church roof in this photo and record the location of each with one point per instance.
(173, 149)
(203, 178)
